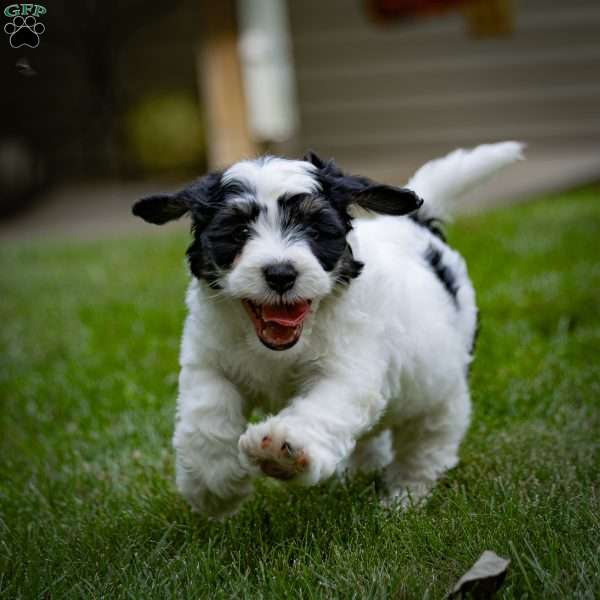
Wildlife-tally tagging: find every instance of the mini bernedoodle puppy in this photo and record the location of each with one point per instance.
(334, 304)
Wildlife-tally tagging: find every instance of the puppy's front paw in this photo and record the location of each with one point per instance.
(215, 493)
(272, 447)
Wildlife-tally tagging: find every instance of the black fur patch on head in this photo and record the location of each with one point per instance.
(434, 257)
(313, 219)
(324, 227)
(217, 243)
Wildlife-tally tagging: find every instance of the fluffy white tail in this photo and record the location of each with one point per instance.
(442, 180)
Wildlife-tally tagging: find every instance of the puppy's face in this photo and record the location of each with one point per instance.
(271, 234)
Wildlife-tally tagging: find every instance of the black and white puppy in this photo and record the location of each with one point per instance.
(333, 303)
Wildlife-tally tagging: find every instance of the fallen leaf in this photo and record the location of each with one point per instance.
(483, 579)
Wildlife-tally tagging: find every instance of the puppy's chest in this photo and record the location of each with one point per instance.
(270, 386)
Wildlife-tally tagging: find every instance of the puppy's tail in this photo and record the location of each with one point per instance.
(441, 181)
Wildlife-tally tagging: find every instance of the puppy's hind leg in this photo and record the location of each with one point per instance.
(424, 449)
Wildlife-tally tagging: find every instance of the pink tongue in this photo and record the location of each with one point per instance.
(289, 315)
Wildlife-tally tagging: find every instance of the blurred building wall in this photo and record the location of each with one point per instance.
(382, 96)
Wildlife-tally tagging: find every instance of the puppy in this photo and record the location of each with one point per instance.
(335, 305)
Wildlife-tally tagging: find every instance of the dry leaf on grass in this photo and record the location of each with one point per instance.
(483, 579)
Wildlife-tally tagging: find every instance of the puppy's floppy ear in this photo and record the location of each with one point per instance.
(162, 208)
(351, 191)
(386, 199)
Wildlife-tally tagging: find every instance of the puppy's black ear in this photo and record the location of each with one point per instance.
(162, 208)
(351, 191)
(386, 199)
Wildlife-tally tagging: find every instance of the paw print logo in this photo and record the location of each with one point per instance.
(24, 31)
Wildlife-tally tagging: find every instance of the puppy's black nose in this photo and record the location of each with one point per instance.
(280, 276)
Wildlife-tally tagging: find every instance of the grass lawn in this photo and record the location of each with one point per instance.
(89, 339)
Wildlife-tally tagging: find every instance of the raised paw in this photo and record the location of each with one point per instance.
(268, 447)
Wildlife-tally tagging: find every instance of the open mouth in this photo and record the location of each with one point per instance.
(278, 326)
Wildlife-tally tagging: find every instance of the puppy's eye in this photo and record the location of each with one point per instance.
(241, 234)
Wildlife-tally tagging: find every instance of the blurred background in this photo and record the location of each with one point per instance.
(114, 100)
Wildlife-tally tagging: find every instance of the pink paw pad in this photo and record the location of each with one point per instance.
(280, 461)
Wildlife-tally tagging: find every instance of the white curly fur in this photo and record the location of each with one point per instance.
(379, 376)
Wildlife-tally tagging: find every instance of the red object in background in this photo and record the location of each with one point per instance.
(485, 18)
(392, 10)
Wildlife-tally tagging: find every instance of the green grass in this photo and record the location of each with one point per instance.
(89, 336)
